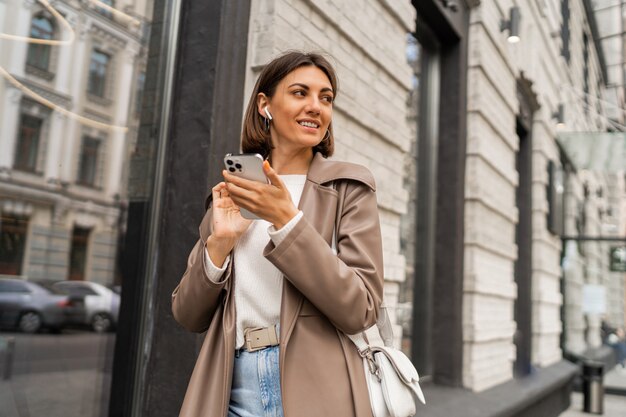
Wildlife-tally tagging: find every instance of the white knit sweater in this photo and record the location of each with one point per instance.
(258, 284)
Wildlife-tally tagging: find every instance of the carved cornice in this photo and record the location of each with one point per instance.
(100, 117)
(103, 34)
(62, 100)
(40, 73)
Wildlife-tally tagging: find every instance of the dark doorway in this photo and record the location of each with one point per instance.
(78, 254)
(523, 265)
(12, 242)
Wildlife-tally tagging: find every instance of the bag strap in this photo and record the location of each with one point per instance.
(383, 323)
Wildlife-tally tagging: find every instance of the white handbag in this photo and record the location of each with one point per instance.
(392, 380)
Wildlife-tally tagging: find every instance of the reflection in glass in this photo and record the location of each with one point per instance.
(106, 12)
(70, 115)
(88, 161)
(28, 143)
(98, 73)
(39, 55)
(78, 254)
(12, 242)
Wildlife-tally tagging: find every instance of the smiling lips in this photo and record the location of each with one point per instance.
(312, 125)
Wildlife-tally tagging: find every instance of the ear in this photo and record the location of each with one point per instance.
(261, 101)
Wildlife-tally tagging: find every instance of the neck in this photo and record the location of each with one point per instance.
(291, 162)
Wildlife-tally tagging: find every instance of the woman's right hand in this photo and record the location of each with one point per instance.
(228, 225)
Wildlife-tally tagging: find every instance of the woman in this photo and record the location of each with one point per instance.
(274, 296)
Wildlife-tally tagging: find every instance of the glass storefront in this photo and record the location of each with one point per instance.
(75, 89)
(404, 309)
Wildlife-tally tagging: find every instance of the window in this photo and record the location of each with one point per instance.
(141, 81)
(78, 254)
(41, 200)
(586, 71)
(98, 73)
(27, 149)
(88, 161)
(12, 243)
(556, 199)
(565, 30)
(105, 11)
(75, 289)
(12, 286)
(39, 55)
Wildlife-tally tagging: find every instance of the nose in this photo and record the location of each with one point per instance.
(313, 105)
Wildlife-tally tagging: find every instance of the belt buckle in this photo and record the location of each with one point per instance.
(248, 341)
(267, 336)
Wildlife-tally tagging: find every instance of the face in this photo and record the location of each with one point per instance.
(301, 109)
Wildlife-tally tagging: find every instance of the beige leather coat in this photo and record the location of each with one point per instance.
(324, 295)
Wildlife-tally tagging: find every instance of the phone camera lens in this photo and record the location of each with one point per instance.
(238, 166)
(231, 169)
(229, 162)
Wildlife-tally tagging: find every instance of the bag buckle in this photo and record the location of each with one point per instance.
(368, 355)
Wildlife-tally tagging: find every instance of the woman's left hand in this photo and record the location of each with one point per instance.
(271, 202)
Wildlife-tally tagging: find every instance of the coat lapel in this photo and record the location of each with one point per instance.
(318, 203)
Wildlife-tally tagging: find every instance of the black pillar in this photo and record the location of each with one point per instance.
(444, 281)
(206, 123)
(154, 355)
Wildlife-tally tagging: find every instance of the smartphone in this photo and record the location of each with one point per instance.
(248, 166)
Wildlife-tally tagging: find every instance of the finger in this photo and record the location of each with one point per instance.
(241, 182)
(239, 193)
(274, 178)
(215, 191)
(244, 198)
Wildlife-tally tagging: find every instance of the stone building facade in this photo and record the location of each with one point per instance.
(69, 115)
(370, 113)
(512, 289)
(556, 66)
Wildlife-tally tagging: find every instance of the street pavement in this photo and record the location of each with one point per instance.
(58, 375)
(69, 374)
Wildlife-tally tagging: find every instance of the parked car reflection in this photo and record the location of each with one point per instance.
(30, 306)
(102, 304)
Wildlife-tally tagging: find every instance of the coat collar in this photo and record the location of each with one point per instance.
(323, 171)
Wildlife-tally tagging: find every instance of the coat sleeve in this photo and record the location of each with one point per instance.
(196, 297)
(347, 287)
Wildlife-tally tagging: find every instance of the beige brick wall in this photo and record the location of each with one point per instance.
(374, 80)
(491, 181)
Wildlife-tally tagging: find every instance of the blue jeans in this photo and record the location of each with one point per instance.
(256, 384)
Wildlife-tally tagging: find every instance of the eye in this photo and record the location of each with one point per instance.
(328, 98)
(299, 93)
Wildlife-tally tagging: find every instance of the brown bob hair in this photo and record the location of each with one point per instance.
(254, 137)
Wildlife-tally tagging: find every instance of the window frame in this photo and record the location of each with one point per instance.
(38, 55)
(97, 87)
(95, 156)
(20, 156)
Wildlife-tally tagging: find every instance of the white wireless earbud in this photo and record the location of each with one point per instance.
(267, 112)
